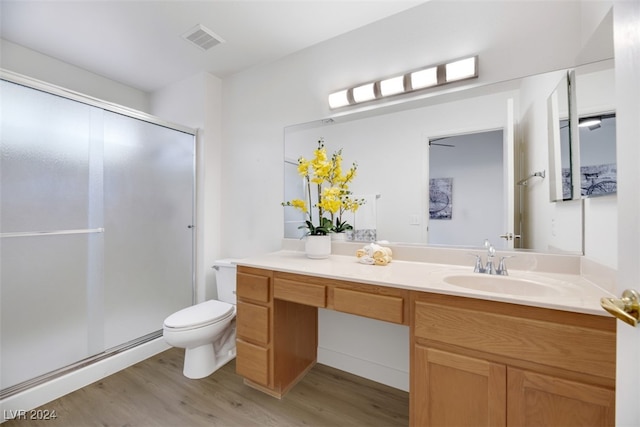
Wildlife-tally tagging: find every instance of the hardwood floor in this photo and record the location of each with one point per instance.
(155, 393)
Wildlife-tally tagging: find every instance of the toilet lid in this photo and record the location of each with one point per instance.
(199, 315)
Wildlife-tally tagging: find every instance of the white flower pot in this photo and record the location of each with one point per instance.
(318, 247)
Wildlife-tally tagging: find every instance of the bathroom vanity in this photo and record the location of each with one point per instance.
(543, 356)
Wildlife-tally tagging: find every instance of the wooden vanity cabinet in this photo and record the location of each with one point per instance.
(476, 362)
(473, 362)
(254, 337)
(269, 361)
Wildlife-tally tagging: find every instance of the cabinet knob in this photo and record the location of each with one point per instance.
(626, 308)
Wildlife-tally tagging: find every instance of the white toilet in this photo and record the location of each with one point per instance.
(207, 331)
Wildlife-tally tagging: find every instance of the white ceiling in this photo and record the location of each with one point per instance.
(139, 43)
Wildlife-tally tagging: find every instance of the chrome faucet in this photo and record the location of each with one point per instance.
(489, 267)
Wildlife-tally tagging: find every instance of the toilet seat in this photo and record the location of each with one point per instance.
(199, 315)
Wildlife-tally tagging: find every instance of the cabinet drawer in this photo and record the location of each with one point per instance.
(253, 287)
(303, 293)
(382, 307)
(527, 339)
(252, 362)
(252, 322)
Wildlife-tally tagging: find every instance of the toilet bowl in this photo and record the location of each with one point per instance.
(206, 330)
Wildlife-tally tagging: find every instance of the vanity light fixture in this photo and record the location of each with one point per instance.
(589, 122)
(364, 93)
(392, 86)
(339, 99)
(424, 78)
(460, 70)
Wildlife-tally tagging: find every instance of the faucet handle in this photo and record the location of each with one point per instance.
(478, 266)
(502, 266)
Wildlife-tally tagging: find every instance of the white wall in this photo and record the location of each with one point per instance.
(196, 102)
(24, 61)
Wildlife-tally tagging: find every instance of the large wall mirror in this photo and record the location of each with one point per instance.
(473, 164)
(401, 155)
(461, 146)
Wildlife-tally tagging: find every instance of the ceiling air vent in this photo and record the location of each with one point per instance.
(203, 37)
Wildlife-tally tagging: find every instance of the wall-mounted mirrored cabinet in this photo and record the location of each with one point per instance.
(582, 134)
(595, 111)
(598, 169)
(560, 128)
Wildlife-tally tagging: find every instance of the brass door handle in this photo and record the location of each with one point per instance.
(626, 308)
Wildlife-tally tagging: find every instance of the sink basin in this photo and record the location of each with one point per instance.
(505, 285)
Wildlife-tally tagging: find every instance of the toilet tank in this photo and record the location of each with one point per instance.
(226, 279)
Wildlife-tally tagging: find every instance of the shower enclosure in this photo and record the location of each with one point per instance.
(96, 223)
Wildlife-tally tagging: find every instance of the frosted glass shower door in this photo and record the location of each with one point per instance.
(96, 230)
(45, 219)
(149, 199)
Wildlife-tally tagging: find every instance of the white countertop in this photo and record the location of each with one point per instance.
(569, 292)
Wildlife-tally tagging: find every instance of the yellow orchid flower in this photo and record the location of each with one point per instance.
(333, 195)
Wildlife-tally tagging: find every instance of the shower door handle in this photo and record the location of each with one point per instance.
(51, 233)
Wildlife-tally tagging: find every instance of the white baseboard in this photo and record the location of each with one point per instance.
(364, 368)
(40, 395)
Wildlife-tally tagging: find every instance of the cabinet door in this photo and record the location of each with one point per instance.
(542, 400)
(455, 390)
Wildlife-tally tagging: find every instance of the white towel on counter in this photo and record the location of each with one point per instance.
(374, 254)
